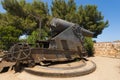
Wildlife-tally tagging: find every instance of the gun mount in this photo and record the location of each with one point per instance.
(68, 36)
(66, 44)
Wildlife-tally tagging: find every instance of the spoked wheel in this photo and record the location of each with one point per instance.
(20, 51)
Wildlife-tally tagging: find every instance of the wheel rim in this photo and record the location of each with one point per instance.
(20, 51)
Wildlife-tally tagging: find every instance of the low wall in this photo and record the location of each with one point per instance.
(109, 49)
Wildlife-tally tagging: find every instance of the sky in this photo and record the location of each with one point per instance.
(110, 9)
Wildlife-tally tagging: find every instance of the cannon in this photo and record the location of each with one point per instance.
(66, 44)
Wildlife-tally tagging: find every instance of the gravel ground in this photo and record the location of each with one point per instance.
(107, 69)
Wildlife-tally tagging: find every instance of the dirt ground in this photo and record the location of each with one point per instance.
(107, 69)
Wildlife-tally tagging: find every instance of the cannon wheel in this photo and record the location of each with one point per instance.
(20, 51)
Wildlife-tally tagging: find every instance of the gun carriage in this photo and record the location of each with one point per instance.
(66, 44)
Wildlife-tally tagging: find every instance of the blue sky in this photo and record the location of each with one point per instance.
(111, 11)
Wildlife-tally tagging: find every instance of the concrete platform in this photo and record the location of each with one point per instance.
(71, 69)
(107, 69)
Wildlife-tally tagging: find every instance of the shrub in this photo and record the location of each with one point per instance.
(89, 46)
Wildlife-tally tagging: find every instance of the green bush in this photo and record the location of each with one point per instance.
(89, 46)
(8, 36)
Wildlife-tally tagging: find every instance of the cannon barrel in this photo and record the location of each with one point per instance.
(87, 33)
(59, 25)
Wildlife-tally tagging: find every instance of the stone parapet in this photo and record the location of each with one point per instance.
(109, 49)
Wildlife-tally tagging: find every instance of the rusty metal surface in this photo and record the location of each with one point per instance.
(59, 25)
(66, 43)
(53, 55)
(19, 52)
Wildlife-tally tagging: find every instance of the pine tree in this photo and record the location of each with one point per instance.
(59, 9)
(29, 14)
(86, 16)
(8, 36)
(71, 11)
(90, 18)
(25, 17)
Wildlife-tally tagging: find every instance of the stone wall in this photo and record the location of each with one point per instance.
(109, 49)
